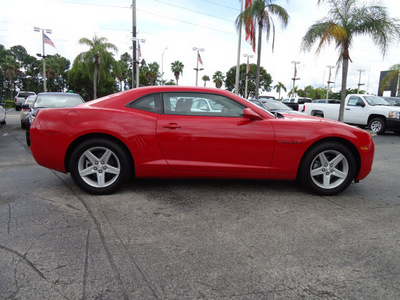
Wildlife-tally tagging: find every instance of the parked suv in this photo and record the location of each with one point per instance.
(20, 99)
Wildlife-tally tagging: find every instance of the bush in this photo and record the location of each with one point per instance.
(9, 104)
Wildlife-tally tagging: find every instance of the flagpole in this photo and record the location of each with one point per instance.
(238, 52)
(44, 64)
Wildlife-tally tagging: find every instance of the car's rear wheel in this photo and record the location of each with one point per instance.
(99, 166)
(328, 168)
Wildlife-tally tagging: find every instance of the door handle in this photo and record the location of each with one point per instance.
(348, 109)
(172, 126)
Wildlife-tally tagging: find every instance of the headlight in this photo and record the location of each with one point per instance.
(394, 114)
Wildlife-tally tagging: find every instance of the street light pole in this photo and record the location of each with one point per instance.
(329, 82)
(294, 76)
(37, 29)
(359, 81)
(197, 62)
(247, 74)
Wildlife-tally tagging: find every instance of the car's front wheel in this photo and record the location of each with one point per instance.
(328, 168)
(99, 166)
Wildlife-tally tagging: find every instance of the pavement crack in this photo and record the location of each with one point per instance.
(25, 260)
(86, 266)
(9, 219)
(106, 248)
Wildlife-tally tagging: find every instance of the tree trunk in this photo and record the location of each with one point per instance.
(95, 76)
(345, 68)
(258, 60)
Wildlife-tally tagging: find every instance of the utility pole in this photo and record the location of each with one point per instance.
(329, 81)
(294, 75)
(134, 62)
(162, 65)
(238, 53)
(359, 81)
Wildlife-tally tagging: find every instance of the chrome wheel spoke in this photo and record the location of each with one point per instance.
(87, 171)
(334, 162)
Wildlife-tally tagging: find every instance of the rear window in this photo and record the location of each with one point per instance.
(25, 95)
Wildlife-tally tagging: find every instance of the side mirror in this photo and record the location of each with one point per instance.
(360, 103)
(248, 113)
(25, 106)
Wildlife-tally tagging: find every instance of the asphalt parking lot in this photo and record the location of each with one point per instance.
(196, 239)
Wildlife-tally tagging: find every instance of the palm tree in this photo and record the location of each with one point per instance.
(262, 11)
(205, 79)
(218, 79)
(97, 57)
(177, 69)
(344, 22)
(391, 76)
(280, 86)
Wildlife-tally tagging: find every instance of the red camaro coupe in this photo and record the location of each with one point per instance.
(187, 132)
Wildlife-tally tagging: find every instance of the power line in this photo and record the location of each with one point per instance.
(195, 11)
(235, 9)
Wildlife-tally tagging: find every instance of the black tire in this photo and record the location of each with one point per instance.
(377, 125)
(103, 176)
(28, 137)
(327, 168)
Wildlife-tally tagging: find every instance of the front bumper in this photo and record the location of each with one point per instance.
(392, 124)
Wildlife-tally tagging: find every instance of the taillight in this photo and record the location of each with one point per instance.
(304, 108)
(15, 100)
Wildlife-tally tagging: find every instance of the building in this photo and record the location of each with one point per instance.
(388, 89)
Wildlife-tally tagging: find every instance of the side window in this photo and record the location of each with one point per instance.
(353, 101)
(151, 103)
(201, 104)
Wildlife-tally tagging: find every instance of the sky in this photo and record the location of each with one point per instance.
(171, 29)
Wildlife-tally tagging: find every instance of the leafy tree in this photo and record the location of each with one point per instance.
(262, 12)
(392, 76)
(205, 78)
(338, 95)
(10, 68)
(279, 87)
(122, 71)
(56, 70)
(97, 60)
(177, 69)
(218, 79)
(344, 22)
(265, 80)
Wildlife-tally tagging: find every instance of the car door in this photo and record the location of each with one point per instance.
(220, 140)
(354, 112)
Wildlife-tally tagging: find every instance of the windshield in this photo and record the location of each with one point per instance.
(54, 101)
(275, 105)
(374, 100)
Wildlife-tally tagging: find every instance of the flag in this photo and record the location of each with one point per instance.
(250, 34)
(47, 40)
(199, 58)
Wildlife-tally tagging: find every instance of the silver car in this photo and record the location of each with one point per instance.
(2, 115)
(25, 108)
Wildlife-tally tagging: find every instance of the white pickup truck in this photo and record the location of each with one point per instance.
(361, 110)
